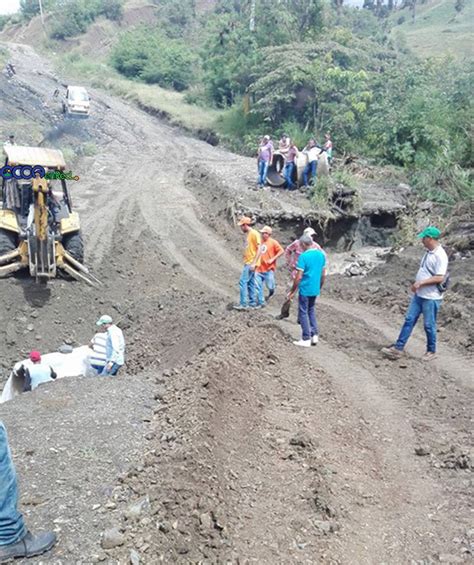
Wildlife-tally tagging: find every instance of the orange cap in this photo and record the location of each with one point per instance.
(244, 220)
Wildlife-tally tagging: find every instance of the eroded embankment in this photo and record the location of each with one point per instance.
(370, 217)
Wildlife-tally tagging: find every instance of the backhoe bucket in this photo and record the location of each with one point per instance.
(42, 257)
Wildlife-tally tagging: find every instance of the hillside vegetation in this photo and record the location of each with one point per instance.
(438, 28)
(300, 66)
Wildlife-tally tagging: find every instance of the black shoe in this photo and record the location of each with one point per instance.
(29, 546)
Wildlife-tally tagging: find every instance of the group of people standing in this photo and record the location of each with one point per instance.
(288, 149)
(306, 262)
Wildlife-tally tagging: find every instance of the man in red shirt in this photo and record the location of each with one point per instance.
(271, 250)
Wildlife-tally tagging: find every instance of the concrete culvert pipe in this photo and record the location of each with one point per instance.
(275, 170)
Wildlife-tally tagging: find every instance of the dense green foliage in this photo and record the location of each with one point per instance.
(149, 55)
(72, 17)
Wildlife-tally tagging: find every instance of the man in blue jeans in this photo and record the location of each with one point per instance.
(312, 152)
(264, 159)
(427, 296)
(15, 539)
(114, 347)
(252, 253)
(310, 276)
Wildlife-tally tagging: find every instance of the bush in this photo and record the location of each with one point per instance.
(4, 20)
(73, 17)
(29, 9)
(401, 20)
(112, 9)
(148, 55)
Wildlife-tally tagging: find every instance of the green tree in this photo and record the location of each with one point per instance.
(146, 54)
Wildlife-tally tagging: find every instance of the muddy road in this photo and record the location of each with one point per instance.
(220, 442)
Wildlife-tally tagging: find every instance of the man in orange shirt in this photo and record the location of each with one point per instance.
(252, 252)
(270, 250)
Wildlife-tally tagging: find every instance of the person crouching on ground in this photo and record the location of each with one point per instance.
(98, 344)
(426, 298)
(37, 373)
(15, 539)
(270, 251)
(310, 277)
(114, 347)
(252, 252)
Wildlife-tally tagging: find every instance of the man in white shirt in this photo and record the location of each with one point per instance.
(310, 171)
(427, 296)
(114, 345)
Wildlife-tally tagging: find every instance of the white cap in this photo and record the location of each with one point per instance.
(309, 231)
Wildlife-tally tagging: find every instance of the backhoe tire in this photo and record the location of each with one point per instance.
(74, 245)
(7, 241)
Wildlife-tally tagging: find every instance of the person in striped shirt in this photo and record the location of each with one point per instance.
(98, 357)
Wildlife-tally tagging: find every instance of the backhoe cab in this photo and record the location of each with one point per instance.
(38, 228)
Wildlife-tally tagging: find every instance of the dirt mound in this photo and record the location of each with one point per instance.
(222, 451)
(460, 230)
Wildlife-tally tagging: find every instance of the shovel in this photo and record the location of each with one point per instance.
(285, 309)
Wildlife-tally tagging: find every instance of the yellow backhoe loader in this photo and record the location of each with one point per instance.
(38, 228)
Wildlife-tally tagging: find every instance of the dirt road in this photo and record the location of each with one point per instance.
(237, 446)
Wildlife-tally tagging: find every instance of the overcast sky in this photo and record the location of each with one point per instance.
(9, 6)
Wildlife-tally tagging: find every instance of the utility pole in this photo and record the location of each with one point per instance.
(252, 15)
(42, 16)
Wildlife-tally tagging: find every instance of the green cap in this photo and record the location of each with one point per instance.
(430, 231)
(104, 320)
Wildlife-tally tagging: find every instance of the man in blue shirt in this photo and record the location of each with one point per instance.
(310, 276)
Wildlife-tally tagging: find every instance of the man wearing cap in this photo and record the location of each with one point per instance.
(37, 373)
(15, 539)
(252, 252)
(114, 346)
(264, 159)
(295, 249)
(270, 251)
(310, 277)
(427, 295)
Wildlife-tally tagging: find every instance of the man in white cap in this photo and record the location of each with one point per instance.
(114, 346)
(295, 249)
(271, 250)
(310, 276)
